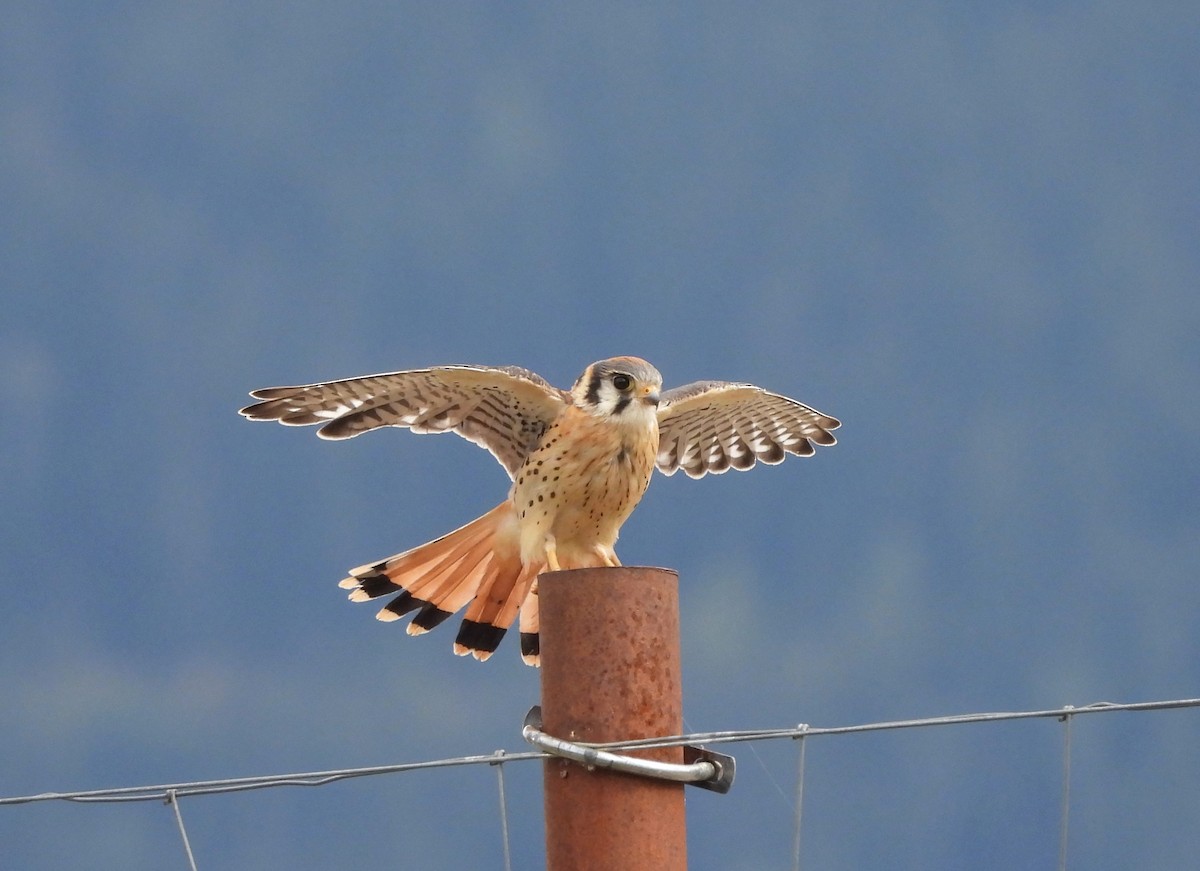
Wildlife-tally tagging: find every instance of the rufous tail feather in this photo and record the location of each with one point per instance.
(531, 648)
(478, 564)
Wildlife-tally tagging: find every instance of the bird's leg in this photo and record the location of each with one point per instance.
(551, 553)
(608, 555)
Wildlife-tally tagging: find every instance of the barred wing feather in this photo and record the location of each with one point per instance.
(504, 409)
(714, 426)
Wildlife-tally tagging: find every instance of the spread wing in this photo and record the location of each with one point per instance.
(502, 408)
(712, 426)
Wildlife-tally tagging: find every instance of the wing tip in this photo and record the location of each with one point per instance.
(326, 434)
(271, 392)
(256, 411)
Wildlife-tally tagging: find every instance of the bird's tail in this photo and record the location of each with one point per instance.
(477, 565)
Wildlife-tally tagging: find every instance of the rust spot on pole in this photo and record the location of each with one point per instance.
(610, 672)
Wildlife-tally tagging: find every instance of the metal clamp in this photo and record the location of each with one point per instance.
(701, 767)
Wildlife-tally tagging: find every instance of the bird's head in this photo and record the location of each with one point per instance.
(624, 389)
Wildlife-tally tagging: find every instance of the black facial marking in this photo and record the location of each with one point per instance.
(622, 404)
(593, 391)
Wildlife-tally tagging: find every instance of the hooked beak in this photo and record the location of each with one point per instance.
(649, 395)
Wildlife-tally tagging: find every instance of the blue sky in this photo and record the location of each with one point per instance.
(971, 233)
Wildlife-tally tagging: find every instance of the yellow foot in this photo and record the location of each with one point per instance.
(552, 554)
(608, 555)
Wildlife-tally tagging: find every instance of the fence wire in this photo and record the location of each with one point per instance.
(170, 793)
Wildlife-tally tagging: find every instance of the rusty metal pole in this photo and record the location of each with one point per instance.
(610, 672)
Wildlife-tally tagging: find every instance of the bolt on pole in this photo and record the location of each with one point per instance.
(610, 672)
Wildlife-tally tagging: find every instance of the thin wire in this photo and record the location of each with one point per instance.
(1064, 814)
(761, 764)
(173, 801)
(320, 778)
(956, 719)
(799, 799)
(771, 778)
(239, 784)
(499, 765)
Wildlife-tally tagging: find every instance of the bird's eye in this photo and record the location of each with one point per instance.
(622, 382)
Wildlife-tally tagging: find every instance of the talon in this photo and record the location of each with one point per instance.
(552, 554)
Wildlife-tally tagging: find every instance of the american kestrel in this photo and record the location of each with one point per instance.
(579, 460)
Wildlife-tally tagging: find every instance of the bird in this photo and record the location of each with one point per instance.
(579, 461)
